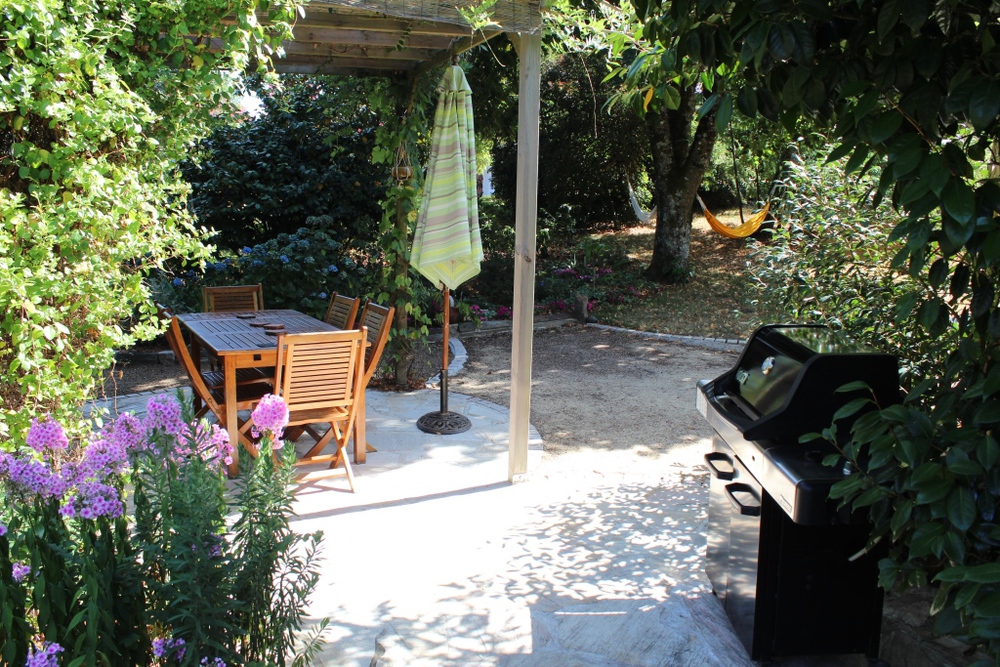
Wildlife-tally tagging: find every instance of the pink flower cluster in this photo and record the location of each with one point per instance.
(46, 657)
(168, 646)
(164, 434)
(270, 417)
(46, 433)
(19, 571)
(86, 481)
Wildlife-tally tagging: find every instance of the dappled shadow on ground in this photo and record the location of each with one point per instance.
(474, 579)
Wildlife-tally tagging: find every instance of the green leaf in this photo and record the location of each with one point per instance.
(915, 13)
(988, 452)
(858, 385)
(962, 508)
(725, 112)
(767, 104)
(885, 126)
(746, 102)
(781, 41)
(839, 152)
(934, 171)
(959, 200)
(980, 574)
(851, 407)
(672, 98)
(984, 105)
(887, 17)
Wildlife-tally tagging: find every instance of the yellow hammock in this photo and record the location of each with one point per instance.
(749, 227)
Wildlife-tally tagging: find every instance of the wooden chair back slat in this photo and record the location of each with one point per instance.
(317, 370)
(233, 297)
(377, 320)
(342, 311)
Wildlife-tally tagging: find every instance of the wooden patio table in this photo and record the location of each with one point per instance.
(239, 341)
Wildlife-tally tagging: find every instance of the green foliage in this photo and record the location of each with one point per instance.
(595, 267)
(399, 141)
(298, 271)
(912, 90)
(306, 154)
(174, 579)
(830, 261)
(587, 154)
(98, 102)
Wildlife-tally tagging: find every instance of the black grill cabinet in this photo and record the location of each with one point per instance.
(788, 566)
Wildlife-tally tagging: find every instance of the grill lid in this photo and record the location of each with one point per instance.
(785, 381)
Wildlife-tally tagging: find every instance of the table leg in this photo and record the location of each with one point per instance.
(360, 453)
(232, 422)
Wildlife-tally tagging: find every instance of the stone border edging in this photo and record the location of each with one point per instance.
(721, 344)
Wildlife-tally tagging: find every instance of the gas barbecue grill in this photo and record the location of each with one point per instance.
(781, 557)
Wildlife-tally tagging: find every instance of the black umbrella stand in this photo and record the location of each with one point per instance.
(444, 422)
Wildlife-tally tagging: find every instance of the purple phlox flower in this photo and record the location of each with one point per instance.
(102, 458)
(163, 413)
(34, 476)
(3, 530)
(68, 509)
(215, 662)
(127, 432)
(19, 571)
(270, 416)
(211, 443)
(46, 657)
(96, 499)
(165, 646)
(46, 433)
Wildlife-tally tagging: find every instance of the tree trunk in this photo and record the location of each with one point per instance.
(679, 163)
(404, 346)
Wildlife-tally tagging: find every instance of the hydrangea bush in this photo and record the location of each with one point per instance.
(298, 271)
(119, 548)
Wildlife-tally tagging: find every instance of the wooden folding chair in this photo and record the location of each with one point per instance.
(212, 399)
(233, 297)
(342, 311)
(321, 378)
(377, 320)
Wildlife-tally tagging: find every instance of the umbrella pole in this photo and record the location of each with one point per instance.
(444, 422)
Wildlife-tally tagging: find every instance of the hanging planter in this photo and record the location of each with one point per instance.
(401, 169)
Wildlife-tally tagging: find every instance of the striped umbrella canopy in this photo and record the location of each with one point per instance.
(447, 248)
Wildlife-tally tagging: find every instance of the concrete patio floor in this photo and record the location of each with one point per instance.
(438, 561)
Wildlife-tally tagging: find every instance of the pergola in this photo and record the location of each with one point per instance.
(400, 37)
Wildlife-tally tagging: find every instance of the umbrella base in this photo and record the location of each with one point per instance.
(444, 423)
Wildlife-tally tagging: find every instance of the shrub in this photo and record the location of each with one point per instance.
(182, 586)
(830, 261)
(98, 103)
(298, 271)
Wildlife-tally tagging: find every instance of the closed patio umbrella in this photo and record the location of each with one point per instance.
(447, 248)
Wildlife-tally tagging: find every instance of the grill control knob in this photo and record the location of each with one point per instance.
(768, 364)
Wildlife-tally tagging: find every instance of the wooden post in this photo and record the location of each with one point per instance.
(529, 49)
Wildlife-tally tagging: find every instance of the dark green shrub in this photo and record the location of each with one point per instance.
(586, 154)
(306, 154)
(298, 271)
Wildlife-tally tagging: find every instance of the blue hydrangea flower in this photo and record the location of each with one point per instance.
(178, 282)
(284, 259)
(333, 268)
(257, 262)
(246, 250)
(322, 295)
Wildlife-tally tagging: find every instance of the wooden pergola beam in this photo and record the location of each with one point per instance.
(309, 52)
(360, 37)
